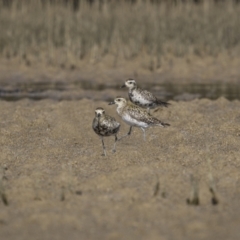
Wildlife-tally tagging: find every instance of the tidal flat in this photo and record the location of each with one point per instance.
(56, 184)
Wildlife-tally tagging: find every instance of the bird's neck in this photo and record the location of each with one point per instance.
(120, 109)
(131, 89)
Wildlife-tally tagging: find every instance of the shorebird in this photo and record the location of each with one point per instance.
(104, 126)
(141, 97)
(135, 116)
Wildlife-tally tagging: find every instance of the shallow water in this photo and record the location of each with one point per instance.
(210, 91)
(64, 91)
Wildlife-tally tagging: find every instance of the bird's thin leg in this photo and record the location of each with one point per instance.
(130, 130)
(128, 134)
(114, 146)
(104, 149)
(144, 133)
(148, 110)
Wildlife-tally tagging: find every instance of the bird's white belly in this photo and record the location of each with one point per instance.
(133, 122)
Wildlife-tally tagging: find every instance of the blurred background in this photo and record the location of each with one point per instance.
(70, 49)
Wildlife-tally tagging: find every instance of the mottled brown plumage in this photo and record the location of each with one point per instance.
(136, 116)
(105, 125)
(142, 98)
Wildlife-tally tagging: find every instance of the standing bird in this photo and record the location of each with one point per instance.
(105, 125)
(142, 98)
(135, 116)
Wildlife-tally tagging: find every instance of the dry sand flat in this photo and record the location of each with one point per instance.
(59, 187)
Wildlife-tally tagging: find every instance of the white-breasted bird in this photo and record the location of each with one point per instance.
(135, 116)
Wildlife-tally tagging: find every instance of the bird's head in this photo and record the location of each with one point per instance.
(119, 101)
(99, 112)
(130, 83)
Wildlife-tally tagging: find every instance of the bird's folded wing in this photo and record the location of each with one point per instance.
(138, 113)
(110, 122)
(148, 96)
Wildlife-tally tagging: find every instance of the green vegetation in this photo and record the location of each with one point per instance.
(54, 33)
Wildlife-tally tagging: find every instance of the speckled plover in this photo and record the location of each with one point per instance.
(141, 97)
(105, 125)
(135, 116)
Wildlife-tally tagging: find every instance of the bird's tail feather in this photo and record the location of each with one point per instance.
(164, 104)
(164, 124)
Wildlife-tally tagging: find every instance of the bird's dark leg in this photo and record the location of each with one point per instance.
(114, 146)
(128, 134)
(130, 130)
(104, 149)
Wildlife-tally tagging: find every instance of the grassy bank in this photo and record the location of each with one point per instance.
(54, 34)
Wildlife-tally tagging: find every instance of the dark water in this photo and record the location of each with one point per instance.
(210, 91)
(87, 89)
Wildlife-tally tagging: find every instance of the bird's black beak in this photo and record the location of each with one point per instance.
(123, 86)
(98, 115)
(111, 103)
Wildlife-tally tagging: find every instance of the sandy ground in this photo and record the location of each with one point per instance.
(58, 186)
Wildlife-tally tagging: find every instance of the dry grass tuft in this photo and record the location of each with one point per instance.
(40, 31)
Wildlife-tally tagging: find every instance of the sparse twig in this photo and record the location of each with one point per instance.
(212, 187)
(37, 195)
(157, 189)
(62, 197)
(2, 189)
(194, 196)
